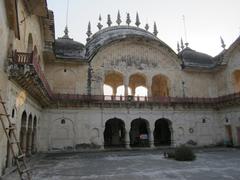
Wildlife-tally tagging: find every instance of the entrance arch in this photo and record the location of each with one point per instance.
(139, 133)
(114, 133)
(162, 132)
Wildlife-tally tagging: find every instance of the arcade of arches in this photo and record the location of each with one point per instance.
(116, 84)
(139, 134)
(28, 134)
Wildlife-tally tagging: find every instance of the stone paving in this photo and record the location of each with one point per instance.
(216, 164)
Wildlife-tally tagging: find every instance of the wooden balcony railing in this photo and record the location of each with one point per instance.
(22, 58)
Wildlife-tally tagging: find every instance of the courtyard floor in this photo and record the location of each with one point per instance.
(214, 164)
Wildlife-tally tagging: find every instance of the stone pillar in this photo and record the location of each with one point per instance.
(29, 142)
(151, 135)
(125, 83)
(23, 139)
(127, 139)
(149, 87)
(114, 91)
(33, 150)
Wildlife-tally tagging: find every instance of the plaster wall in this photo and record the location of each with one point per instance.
(86, 125)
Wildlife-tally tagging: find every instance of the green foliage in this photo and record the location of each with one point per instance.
(183, 153)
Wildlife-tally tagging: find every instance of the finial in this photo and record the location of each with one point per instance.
(109, 22)
(186, 44)
(119, 21)
(178, 47)
(128, 21)
(155, 31)
(222, 42)
(147, 27)
(66, 32)
(99, 23)
(182, 45)
(89, 32)
(137, 20)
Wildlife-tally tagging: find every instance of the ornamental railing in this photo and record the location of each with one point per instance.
(29, 59)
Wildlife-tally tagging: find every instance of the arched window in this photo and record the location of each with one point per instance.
(137, 82)
(160, 86)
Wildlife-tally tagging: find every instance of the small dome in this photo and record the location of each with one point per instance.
(193, 58)
(66, 47)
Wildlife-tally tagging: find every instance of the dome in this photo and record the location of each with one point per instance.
(117, 33)
(192, 58)
(66, 47)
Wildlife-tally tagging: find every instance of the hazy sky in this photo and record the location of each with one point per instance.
(206, 20)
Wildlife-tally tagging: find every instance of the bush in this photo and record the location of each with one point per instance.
(183, 153)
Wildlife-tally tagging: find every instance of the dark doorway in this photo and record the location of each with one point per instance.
(229, 135)
(114, 133)
(139, 134)
(162, 133)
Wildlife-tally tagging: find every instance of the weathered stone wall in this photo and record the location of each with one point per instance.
(225, 82)
(129, 57)
(13, 95)
(67, 78)
(86, 125)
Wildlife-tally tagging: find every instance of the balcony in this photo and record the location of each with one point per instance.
(26, 72)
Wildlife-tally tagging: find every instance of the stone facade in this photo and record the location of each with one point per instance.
(56, 96)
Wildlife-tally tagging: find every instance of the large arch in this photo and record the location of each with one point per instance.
(139, 133)
(23, 132)
(162, 132)
(114, 80)
(160, 86)
(137, 80)
(114, 133)
(236, 80)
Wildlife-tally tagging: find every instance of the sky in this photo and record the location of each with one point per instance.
(205, 20)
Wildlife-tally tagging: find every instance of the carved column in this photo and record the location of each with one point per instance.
(151, 135)
(127, 139)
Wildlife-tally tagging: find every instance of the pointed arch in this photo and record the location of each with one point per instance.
(160, 86)
(114, 133)
(139, 133)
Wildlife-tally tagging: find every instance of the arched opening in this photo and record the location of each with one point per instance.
(114, 80)
(23, 132)
(137, 82)
(162, 132)
(30, 43)
(139, 133)
(160, 86)
(236, 80)
(114, 133)
(34, 135)
(35, 54)
(29, 135)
